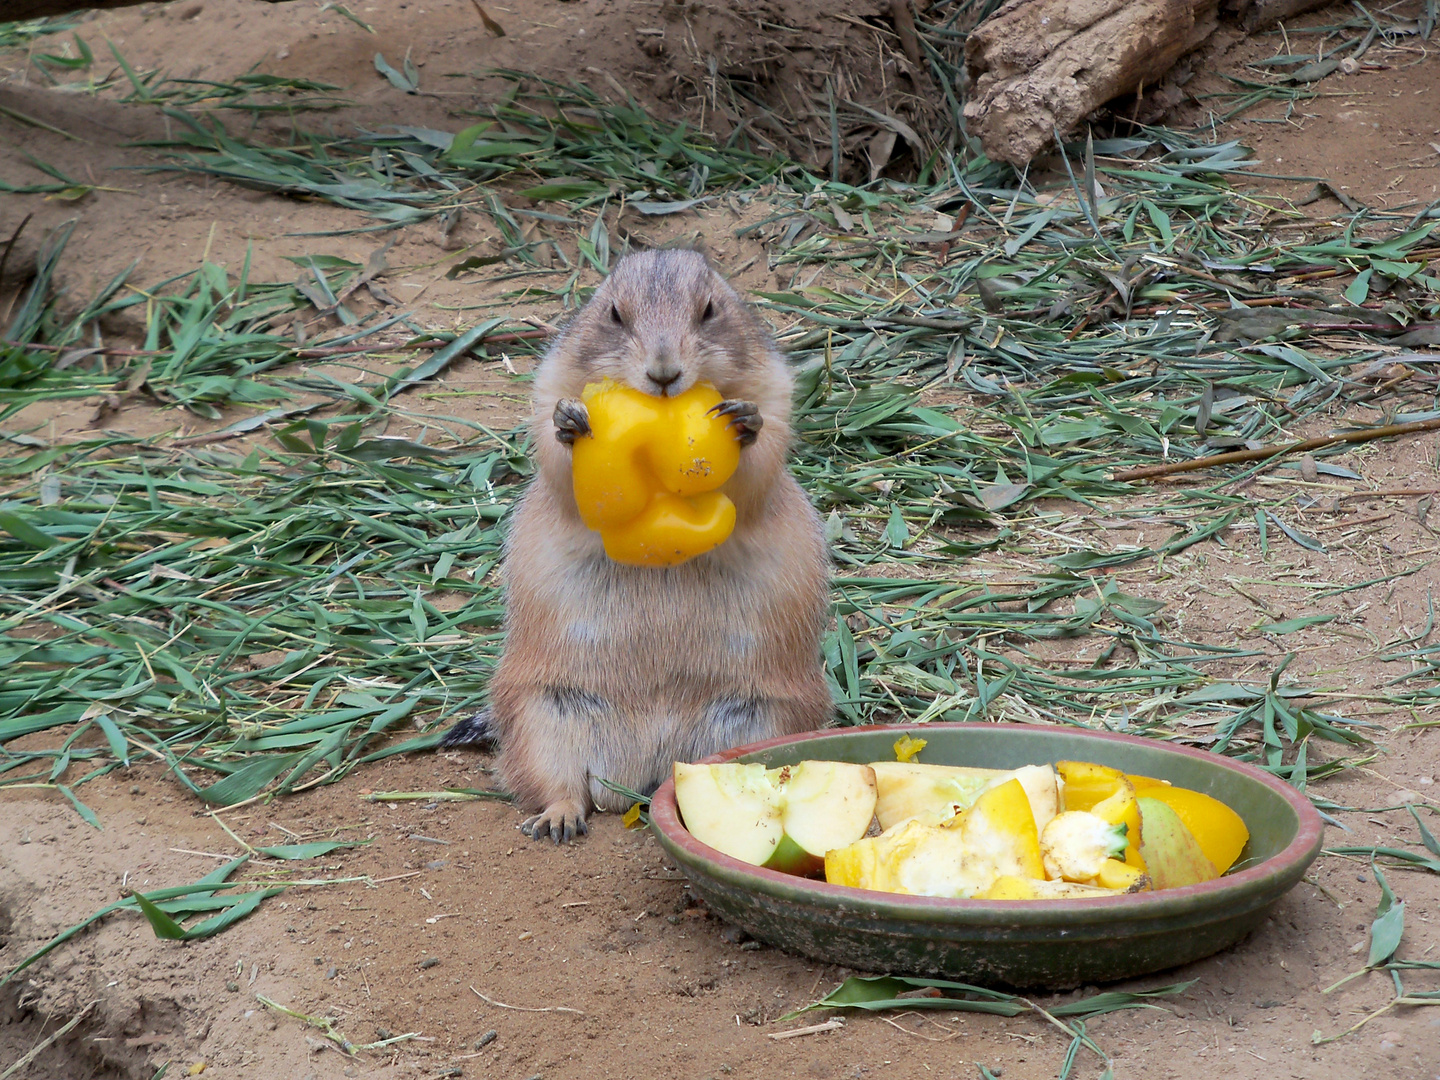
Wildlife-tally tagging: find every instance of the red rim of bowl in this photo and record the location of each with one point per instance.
(665, 816)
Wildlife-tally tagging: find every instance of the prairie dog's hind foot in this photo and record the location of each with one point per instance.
(745, 419)
(561, 821)
(572, 420)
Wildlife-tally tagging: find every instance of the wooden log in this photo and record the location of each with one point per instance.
(1038, 66)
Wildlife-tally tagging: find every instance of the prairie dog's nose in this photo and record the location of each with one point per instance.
(663, 372)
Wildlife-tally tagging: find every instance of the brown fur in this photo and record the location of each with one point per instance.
(617, 671)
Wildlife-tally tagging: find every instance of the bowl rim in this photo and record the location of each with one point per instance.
(1302, 849)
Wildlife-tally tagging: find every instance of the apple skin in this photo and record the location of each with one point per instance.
(790, 858)
(1173, 857)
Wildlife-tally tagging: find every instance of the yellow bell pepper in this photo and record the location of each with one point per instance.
(646, 477)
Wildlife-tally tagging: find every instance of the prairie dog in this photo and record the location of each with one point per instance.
(612, 671)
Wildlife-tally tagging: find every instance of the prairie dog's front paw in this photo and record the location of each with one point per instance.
(745, 419)
(560, 821)
(572, 420)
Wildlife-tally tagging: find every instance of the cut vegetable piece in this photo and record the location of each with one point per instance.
(1122, 877)
(933, 793)
(1140, 783)
(1010, 887)
(733, 808)
(928, 793)
(995, 837)
(1173, 857)
(1000, 831)
(1042, 789)
(1087, 783)
(1121, 807)
(1221, 832)
(1076, 844)
(913, 858)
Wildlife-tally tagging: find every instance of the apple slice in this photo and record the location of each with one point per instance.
(785, 819)
(734, 808)
(827, 804)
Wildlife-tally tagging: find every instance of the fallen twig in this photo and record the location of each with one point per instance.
(1232, 456)
(813, 1029)
(522, 1008)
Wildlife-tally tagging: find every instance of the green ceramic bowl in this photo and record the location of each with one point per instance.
(1052, 943)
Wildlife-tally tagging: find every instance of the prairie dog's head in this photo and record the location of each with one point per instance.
(663, 321)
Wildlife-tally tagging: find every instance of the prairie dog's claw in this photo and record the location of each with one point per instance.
(560, 822)
(745, 419)
(572, 420)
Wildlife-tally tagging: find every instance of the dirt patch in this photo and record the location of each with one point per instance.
(606, 928)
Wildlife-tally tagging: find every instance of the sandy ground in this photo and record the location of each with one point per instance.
(593, 960)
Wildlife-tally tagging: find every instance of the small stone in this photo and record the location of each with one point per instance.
(233, 987)
(331, 972)
(383, 1033)
(1407, 796)
(134, 789)
(486, 1039)
(1394, 1038)
(732, 934)
(429, 962)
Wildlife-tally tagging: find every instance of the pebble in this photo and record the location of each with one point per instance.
(429, 962)
(486, 1039)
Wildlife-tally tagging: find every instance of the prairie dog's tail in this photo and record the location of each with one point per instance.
(478, 731)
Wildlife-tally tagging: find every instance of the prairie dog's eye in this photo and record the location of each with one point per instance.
(709, 312)
(615, 316)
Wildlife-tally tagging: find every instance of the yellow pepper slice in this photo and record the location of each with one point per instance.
(646, 477)
(1123, 807)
